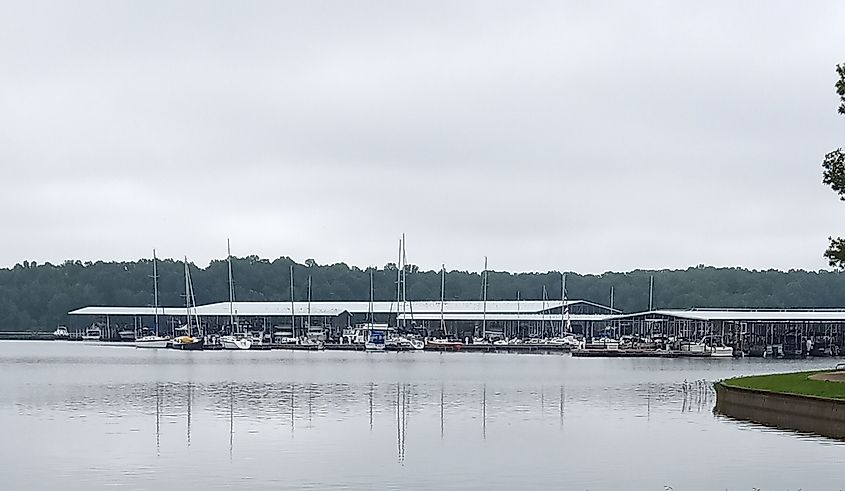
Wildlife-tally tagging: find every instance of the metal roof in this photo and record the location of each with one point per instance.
(475, 316)
(268, 309)
(145, 311)
(748, 315)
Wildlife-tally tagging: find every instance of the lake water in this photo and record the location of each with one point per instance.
(85, 416)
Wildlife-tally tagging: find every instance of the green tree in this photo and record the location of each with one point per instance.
(834, 176)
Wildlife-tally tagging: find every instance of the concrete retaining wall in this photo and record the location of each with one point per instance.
(802, 413)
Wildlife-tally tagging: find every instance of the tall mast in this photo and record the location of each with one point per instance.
(231, 288)
(543, 324)
(517, 313)
(404, 297)
(484, 300)
(370, 308)
(651, 293)
(398, 281)
(566, 327)
(194, 305)
(155, 288)
(564, 309)
(292, 313)
(187, 297)
(611, 299)
(404, 287)
(308, 321)
(442, 299)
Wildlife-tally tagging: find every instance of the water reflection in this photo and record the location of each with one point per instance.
(484, 412)
(314, 425)
(562, 399)
(190, 406)
(319, 404)
(158, 419)
(231, 420)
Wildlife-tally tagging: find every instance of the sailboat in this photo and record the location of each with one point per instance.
(401, 340)
(444, 343)
(376, 339)
(153, 340)
(237, 340)
(188, 341)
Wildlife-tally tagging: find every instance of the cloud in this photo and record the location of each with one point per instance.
(550, 135)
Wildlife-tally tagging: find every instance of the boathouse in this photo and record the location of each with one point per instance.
(746, 329)
(506, 318)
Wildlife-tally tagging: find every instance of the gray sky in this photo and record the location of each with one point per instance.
(587, 136)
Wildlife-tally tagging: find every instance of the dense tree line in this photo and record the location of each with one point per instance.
(38, 296)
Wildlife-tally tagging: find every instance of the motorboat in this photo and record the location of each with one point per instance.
(310, 341)
(609, 344)
(236, 342)
(126, 335)
(710, 345)
(61, 333)
(567, 341)
(93, 333)
(284, 335)
(416, 343)
(398, 343)
(376, 341)
(721, 351)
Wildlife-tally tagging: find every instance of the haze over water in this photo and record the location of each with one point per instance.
(84, 416)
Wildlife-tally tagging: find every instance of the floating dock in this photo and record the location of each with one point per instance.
(637, 353)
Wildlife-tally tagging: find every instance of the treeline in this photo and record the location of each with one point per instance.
(38, 296)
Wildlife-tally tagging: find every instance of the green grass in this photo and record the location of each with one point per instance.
(791, 383)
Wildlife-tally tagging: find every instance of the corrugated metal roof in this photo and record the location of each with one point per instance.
(503, 317)
(749, 315)
(261, 309)
(150, 311)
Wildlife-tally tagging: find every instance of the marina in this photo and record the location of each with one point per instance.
(584, 328)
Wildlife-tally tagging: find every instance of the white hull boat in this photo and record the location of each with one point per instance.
(235, 343)
(152, 342)
(722, 352)
(92, 334)
(374, 347)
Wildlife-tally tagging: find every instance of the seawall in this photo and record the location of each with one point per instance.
(809, 414)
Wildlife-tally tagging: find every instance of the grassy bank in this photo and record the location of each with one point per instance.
(791, 383)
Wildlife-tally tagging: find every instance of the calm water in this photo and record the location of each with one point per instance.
(79, 416)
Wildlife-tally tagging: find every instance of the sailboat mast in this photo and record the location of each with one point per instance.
(155, 288)
(398, 281)
(187, 297)
(543, 324)
(404, 297)
(194, 305)
(564, 310)
(518, 313)
(292, 313)
(484, 300)
(443, 299)
(651, 293)
(231, 288)
(611, 299)
(370, 307)
(308, 321)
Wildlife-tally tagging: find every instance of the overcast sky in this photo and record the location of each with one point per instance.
(586, 136)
